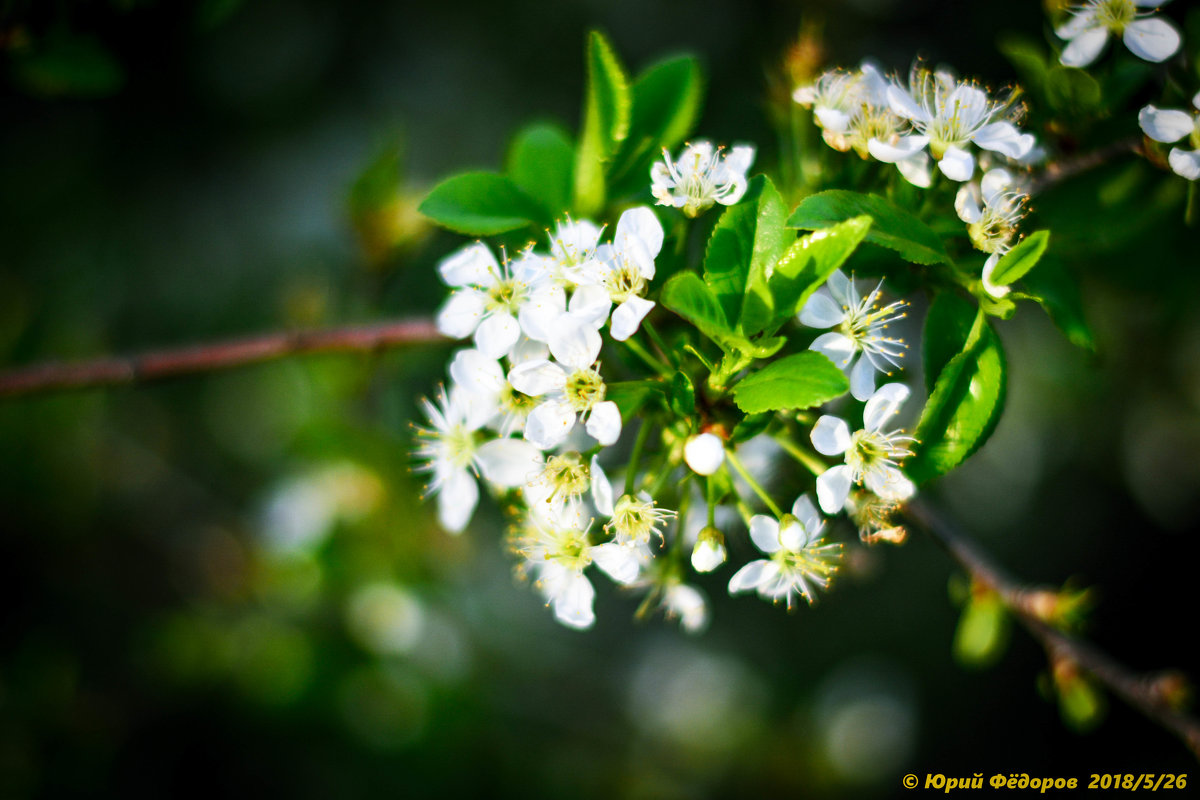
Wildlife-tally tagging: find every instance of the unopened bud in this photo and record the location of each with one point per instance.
(709, 552)
(704, 453)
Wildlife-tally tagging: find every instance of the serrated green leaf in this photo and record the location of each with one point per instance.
(689, 296)
(947, 327)
(801, 380)
(541, 162)
(1058, 293)
(481, 204)
(964, 406)
(808, 263)
(606, 114)
(772, 238)
(1013, 265)
(982, 631)
(893, 227)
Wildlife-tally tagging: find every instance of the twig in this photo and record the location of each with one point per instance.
(1068, 168)
(155, 365)
(1147, 692)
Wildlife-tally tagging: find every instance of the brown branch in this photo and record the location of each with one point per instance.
(158, 364)
(1069, 168)
(1149, 693)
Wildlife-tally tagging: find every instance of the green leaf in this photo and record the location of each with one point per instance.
(808, 263)
(1058, 293)
(481, 204)
(1072, 91)
(750, 426)
(667, 98)
(689, 296)
(772, 238)
(1016, 262)
(947, 327)
(606, 116)
(801, 380)
(894, 227)
(964, 406)
(541, 164)
(682, 394)
(1027, 56)
(982, 631)
(632, 396)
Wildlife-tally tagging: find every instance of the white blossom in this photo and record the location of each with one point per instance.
(704, 453)
(1148, 37)
(687, 604)
(872, 454)
(702, 175)
(555, 553)
(992, 210)
(798, 561)
(1170, 125)
(860, 342)
(709, 551)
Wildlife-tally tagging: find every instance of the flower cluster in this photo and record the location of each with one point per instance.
(992, 210)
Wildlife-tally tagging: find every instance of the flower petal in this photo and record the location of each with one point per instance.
(989, 267)
(916, 170)
(804, 510)
(460, 315)
(1165, 124)
(497, 334)
(884, 405)
(837, 347)
(832, 119)
(628, 316)
(539, 313)
(704, 453)
(831, 435)
(457, 498)
(833, 486)
(619, 561)
(476, 373)
(573, 604)
(602, 491)
(639, 237)
(904, 147)
(591, 302)
(536, 378)
(1186, 163)
(575, 342)
(966, 203)
(473, 265)
(508, 463)
(764, 532)
(862, 379)
(889, 483)
(994, 185)
(549, 424)
(903, 104)
(1004, 138)
(604, 423)
(957, 164)
(1080, 21)
(821, 311)
(1084, 48)
(1153, 39)
(749, 577)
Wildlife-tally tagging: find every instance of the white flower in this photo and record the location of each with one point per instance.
(452, 449)
(624, 562)
(634, 520)
(564, 481)
(573, 244)
(477, 374)
(992, 225)
(948, 116)
(687, 604)
(1170, 125)
(872, 454)
(490, 297)
(619, 273)
(1149, 38)
(703, 175)
(568, 389)
(709, 550)
(555, 553)
(704, 453)
(860, 342)
(798, 560)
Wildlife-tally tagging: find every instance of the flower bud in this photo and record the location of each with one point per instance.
(686, 603)
(709, 552)
(704, 453)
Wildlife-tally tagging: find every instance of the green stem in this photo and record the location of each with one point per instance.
(1192, 214)
(670, 354)
(635, 457)
(652, 362)
(681, 515)
(806, 457)
(712, 506)
(752, 483)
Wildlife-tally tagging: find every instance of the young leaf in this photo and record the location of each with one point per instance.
(982, 631)
(689, 297)
(605, 123)
(541, 164)
(894, 227)
(1016, 262)
(632, 396)
(772, 238)
(963, 408)
(481, 204)
(682, 394)
(947, 327)
(1058, 293)
(801, 380)
(1072, 91)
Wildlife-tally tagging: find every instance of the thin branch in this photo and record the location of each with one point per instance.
(208, 357)
(1069, 168)
(1149, 693)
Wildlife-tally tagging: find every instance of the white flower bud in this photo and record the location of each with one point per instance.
(704, 453)
(709, 552)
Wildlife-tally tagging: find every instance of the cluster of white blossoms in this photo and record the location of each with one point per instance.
(701, 176)
(1169, 125)
(992, 209)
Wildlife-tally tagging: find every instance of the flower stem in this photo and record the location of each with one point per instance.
(670, 354)
(752, 483)
(804, 456)
(636, 455)
(652, 362)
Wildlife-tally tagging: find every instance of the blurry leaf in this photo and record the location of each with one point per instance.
(808, 263)
(689, 297)
(481, 204)
(682, 395)
(893, 227)
(1127, 78)
(666, 101)
(1081, 704)
(1072, 91)
(801, 380)
(379, 182)
(964, 406)
(607, 108)
(632, 396)
(947, 326)
(750, 426)
(1058, 293)
(1028, 57)
(69, 65)
(1013, 265)
(982, 630)
(541, 163)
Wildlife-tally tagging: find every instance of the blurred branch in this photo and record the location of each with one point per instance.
(155, 365)
(1149, 693)
(1070, 167)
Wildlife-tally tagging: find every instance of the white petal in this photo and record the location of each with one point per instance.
(902, 103)
(821, 311)
(474, 265)
(989, 267)
(884, 405)
(497, 334)
(604, 423)
(830, 435)
(740, 157)
(1150, 3)
(1153, 39)
(539, 313)
(916, 170)
(1196, 101)
(573, 605)
(549, 424)
(1165, 124)
(833, 486)
(966, 203)
(704, 453)
(1084, 48)
(628, 317)
(832, 119)
(1186, 163)
(994, 184)
(688, 604)
(602, 491)
(905, 147)
(764, 531)
(957, 165)
(749, 577)
(837, 347)
(528, 350)
(804, 510)
(792, 536)
(805, 95)
(457, 499)
(508, 463)
(707, 555)
(460, 315)
(476, 373)
(841, 288)
(618, 561)
(591, 302)
(639, 237)
(1080, 21)
(536, 378)
(1003, 137)
(889, 483)
(575, 342)
(862, 379)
